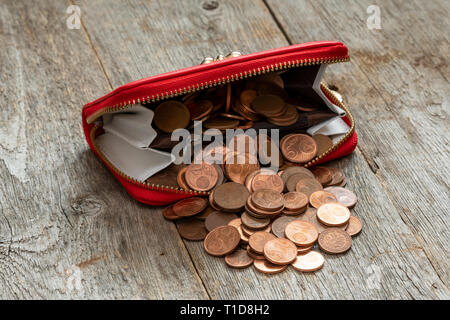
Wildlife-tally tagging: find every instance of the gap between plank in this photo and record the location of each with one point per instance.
(102, 66)
(277, 22)
(193, 263)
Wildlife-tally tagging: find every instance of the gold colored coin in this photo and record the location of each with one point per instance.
(171, 115)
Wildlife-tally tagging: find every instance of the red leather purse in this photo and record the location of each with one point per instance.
(187, 80)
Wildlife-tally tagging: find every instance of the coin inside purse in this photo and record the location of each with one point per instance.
(138, 140)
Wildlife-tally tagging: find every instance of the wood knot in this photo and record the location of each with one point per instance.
(210, 5)
(87, 205)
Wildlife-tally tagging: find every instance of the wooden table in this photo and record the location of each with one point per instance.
(69, 230)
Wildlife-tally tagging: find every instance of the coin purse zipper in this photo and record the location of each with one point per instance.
(139, 189)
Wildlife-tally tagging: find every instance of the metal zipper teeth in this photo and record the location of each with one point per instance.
(238, 76)
(336, 101)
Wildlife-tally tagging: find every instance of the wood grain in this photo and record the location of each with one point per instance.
(396, 86)
(67, 228)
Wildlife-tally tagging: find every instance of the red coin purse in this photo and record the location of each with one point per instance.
(177, 83)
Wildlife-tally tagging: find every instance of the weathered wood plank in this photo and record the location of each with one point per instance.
(403, 267)
(67, 229)
(397, 85)
(152, 37)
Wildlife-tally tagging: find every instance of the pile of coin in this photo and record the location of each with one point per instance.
(253, 214)
(237, 105)
(272, 219)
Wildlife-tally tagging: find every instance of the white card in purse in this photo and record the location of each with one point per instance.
(138, 163)
(134, 126)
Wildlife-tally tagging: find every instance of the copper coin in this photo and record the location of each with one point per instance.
(292, 181)
(232, 116)
(222, 241)
(255, 255)
(268, 105)
(260, 213)
(171, 115)
(190, 206)
(212, 203)
(308, 186)
(333, 214)
(220, 175)
(280, 251)
(181, 180)
(245, 111)
(244, 237)
(311, 216)
(289, 171)
(306, 108)
(308, 262)
(205, 213)
(267, 180)
(257, 241)
(273, 78)
(354, 226)
(302, 250)
(212, 153)
(269, 88)
(228, 100)
(267, 199)
(323, 174)
(324, 143)
(319, 198)
(254, 223)
(246, 125)
(268, 149)
(294, 212)
(239, 259)
(238, 166)
(242, 144)
(295, 201)
(218, 219)
(338, 176)
(298, 148)
(199, 109)
(246, 97)
(166, 177)
(249, 178)
(302, 233)
(343, 196)
(192, 229)
(252, 213)
(265, 266)
(231, 196)
(237, 223)
(288, 118)
(169, 214)
(334, 241)
(279, 225)
(201, 177)
(248, 232)
(221, 123)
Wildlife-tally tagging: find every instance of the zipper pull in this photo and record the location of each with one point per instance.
(220, 57)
